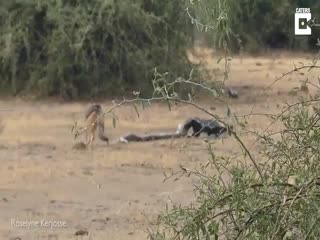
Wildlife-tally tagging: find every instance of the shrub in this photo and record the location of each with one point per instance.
(90, 48)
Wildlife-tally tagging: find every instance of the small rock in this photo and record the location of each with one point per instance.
(81, 232)
(232, 93)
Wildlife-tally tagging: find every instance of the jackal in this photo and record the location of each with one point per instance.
(95, 121)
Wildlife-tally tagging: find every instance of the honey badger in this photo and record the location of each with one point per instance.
(203, 126)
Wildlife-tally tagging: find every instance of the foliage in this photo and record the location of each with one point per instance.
(89, 48)
(258, 25)
(275, 197)
(236, 203)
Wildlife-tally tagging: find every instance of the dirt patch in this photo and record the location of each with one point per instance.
(115, 190)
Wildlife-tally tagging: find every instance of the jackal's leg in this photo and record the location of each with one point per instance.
(92, 140)
(87, 138)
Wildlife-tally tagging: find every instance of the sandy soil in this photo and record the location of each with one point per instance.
(116, 191)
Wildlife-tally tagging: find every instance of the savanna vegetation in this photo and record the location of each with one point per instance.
(276, 194)
(260, 25)
(89, 48)
(81, 48)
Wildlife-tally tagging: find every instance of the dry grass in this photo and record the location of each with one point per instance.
(111, 190)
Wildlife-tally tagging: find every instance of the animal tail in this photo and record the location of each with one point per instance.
(101, 131)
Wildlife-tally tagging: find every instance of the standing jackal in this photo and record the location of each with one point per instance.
(95, 121)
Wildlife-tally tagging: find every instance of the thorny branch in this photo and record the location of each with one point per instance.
(188, 102)
(296, 69)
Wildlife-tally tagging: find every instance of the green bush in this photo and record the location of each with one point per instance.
(262, 24)
(238, 203)
(273, 196)
(85, 48)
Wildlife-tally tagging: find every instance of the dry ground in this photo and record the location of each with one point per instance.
(115, 190)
